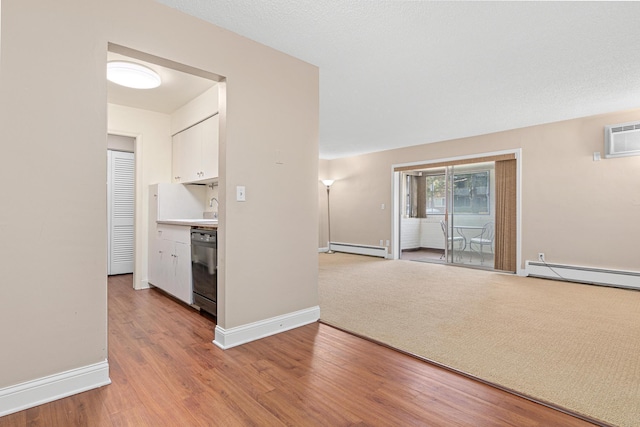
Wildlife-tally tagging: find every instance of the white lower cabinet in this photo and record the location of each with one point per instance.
(170, 261)
(158, 255)
(182, 272)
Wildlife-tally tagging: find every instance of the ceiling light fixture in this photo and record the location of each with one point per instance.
(132, 75)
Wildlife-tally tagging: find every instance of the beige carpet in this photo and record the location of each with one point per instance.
(573, 345)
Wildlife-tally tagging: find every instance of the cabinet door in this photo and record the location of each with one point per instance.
(209, 134)
(195, 152)
(182, 273)
(186, 155)
(161, 265)
(191, 153)
(176, 158)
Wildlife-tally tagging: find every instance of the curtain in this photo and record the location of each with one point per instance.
(422, 196)
(458, 162)
(413, 191)
(505, 227)
(416, 196)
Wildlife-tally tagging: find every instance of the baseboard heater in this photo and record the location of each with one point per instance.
(379, 251)
(589, 275)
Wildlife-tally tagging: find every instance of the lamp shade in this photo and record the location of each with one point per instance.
(328, 182)
(132, 75)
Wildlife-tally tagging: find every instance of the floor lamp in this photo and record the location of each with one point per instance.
(328, 183)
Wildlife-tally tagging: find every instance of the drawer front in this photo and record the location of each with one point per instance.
(176, 233)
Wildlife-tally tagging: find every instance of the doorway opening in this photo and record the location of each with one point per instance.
(459, 211)
(120, 204)
(152, 117)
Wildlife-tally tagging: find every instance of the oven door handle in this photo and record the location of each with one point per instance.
(204, 244)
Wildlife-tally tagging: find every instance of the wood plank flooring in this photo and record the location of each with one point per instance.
(165, 371)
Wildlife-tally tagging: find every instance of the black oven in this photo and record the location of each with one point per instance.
(204, 269)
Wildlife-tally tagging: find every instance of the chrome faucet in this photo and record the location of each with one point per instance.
(214, 214)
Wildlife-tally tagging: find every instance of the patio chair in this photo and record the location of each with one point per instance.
(485, 238)
(451, 240)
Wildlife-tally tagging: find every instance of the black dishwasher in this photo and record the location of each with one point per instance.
(204, 269)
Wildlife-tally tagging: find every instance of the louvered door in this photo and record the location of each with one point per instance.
(121, 196)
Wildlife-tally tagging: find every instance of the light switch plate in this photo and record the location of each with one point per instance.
(240, 193)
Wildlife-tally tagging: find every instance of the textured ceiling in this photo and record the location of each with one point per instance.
(399, 73)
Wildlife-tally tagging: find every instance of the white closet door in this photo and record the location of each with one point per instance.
(121, 196)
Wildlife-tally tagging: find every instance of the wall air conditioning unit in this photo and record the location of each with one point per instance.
(622, 140)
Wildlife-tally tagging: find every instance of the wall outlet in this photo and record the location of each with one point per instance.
(381, 243)
(541, 256)
(387, 243)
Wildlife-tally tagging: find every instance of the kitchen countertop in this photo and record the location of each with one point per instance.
(209, 223)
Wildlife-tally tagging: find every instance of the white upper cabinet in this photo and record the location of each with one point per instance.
(177, 162)
(195, 152)
(210, 147)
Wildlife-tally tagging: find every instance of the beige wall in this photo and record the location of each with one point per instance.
(121, 143)
(53, 109)
(153, 165)
(575, 210)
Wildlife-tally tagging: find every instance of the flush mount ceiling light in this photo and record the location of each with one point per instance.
(132, 75)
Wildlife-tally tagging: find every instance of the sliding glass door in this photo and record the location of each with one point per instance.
(450, 212)
(471, 218)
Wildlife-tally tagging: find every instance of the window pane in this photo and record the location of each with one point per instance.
(471, 193)
(436, 197)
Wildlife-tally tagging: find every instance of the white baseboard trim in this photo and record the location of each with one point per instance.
(325, 249)
(589, 275)
(227, 338)
(32, 393)
(351, 248)
(144, 284)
